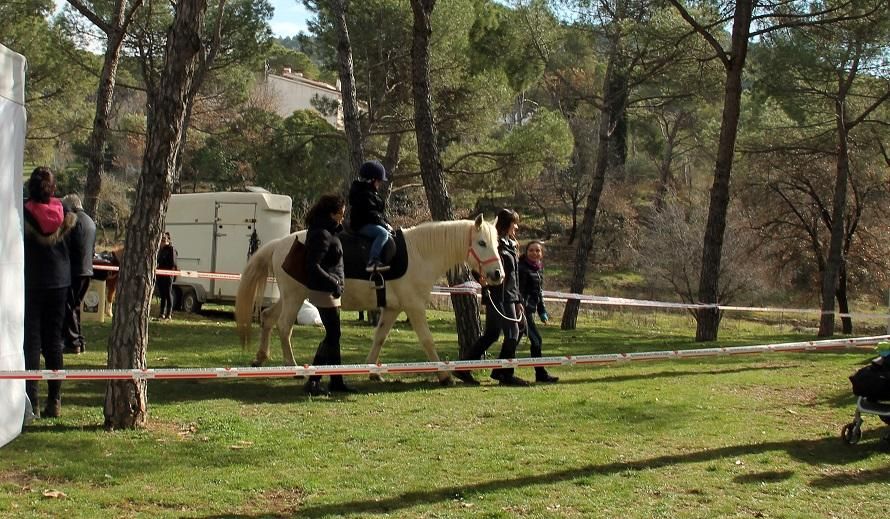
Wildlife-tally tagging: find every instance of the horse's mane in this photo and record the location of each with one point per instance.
(440, 236)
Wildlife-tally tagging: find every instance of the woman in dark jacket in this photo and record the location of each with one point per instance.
(502, 306)
(325, 278)
(47, 278)
(164, 284)
(531, 288)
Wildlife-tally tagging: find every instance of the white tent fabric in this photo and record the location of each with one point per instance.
(12, 252)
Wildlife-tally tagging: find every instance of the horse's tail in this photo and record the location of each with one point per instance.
(252, 287)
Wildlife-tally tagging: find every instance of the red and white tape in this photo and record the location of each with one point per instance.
(472, 288)
(430, 367)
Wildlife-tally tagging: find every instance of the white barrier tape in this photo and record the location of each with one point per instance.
(472, 288)
(562, 297)
(431, 367)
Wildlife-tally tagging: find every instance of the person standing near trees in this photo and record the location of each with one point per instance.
(367, 211)
(531, 288)
(82, 244)
(47, 279)
(325, 279)
(503, 308)
(164, 284)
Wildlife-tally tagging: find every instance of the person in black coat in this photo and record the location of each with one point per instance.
(47, 279)
(325, 280)
(531, 288)
(503, 308)
(82, 242)
(367, 210)
(167, 260)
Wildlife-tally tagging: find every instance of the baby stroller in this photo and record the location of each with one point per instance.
(872, 385)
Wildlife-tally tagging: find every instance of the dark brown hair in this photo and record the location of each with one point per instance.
(326, 205)
(41, 185)
(505, 218)
(529, 244)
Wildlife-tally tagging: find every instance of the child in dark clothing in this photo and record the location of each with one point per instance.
(531, 287)
(367, 210)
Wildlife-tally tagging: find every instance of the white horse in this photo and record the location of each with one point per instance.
(433, 249)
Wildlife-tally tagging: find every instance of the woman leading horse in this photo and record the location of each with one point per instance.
(433, 249)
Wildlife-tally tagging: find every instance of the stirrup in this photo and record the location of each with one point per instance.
(377, 280)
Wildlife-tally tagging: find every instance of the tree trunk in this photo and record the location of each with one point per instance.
(665, 166)
(585, 231)
(114, 34)
(617, 154)
(466, 309)
(708, 319)
(835, 258)
(843, 304)
(390, 163)
(126, 402)
(351, 121)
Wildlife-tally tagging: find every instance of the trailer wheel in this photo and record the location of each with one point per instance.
(190, 301)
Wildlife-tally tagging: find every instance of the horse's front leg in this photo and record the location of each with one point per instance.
(384, 326)
(422, 329)
(268, 317)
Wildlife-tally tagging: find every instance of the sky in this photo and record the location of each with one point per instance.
(289, 18)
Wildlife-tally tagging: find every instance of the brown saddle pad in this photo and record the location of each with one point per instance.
(295, 262)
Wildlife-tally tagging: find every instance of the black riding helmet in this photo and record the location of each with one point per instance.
(372, 170)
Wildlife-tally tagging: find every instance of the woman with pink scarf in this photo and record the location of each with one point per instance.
(47, 278)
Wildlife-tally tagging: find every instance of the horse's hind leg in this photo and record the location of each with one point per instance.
(422, 329)
(286, 320)
(384, 325)
(268, 318)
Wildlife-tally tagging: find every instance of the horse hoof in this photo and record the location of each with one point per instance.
(446, 382)
(256, 364)
(375, 377)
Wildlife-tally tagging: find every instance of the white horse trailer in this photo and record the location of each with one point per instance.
(217, 233)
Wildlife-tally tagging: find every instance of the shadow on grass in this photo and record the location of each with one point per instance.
(672, 374)
(815, 452)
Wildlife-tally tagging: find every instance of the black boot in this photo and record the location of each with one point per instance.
(466, 377)
(315, 388)
(337, 385)
(31, 391)
(53, 409)
(505, 375)
(53, 399)
(541, 375)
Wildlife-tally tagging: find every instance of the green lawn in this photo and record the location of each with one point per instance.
(746, 436)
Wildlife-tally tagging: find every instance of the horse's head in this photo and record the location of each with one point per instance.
(483, 254)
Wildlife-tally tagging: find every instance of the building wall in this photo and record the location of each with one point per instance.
(292, 92)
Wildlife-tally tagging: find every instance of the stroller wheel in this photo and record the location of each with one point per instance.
(851, 433)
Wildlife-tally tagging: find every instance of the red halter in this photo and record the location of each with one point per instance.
(471, 252)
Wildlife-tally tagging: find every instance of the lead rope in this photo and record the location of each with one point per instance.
(504, 317)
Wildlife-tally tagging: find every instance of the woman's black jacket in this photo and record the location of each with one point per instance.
(531, 285)
(324, 256)
(508, 291)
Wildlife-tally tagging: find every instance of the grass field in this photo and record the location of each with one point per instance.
(748, 436)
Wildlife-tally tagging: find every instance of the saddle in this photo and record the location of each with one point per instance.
(357, 251)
